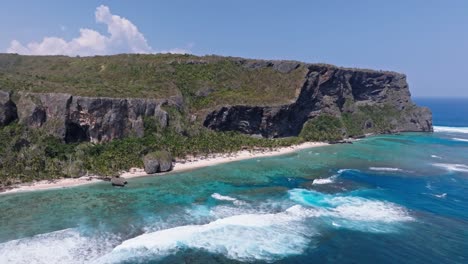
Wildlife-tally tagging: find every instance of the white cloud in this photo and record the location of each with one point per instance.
(123, 37)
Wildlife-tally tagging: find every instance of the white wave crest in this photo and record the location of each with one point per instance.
(435, 157)
(353, 212)
(220, 197)
(460, 139)
(443, 195)
(361, 209)
(463, 130)
(245, 237)
(64, 246)
(384, 169)
(254, 235)
(345, 170)
(452, 167)
(328, 180)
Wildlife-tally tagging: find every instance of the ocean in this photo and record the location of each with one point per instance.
(384, 199)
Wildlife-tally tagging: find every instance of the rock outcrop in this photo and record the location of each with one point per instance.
(333, 91)
(118, 181)
(364, 98)
(8, 111)
(77, 118)
(158, 161)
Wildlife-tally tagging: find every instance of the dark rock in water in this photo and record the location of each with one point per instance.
(117, 181)
(158, 161)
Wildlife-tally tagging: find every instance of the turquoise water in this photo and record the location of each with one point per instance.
(384, 199)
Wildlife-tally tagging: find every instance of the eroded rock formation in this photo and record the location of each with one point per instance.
(334, 91)
(76, 118)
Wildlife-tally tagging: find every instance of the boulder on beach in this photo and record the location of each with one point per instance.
(118, 181)
(158, 161)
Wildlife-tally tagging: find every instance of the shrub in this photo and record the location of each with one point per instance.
(323, 128)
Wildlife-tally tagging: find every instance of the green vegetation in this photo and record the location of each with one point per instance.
(152, 76)
(28, 154)
(369, 118)
(323, 128)
(202, 83)
(159, 155)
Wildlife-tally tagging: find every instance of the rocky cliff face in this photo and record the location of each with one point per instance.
(76, 118)
(367, 99)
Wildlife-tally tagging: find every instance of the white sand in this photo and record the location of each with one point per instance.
(182, 165)
(241, 155)
(52, 184)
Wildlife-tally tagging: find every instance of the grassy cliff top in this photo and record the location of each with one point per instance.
(202, 81)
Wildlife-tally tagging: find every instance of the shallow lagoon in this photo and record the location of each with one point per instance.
(394, 198)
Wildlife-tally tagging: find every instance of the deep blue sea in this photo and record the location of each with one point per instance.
(384, 199)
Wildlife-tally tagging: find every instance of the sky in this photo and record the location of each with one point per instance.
(426, 40)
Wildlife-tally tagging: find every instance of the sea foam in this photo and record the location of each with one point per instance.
(64, 246)
(463, 130)
(452, 167)
(352, 212)
(220, 197)
(246, 237)
(328, 180)
(460, 139)
(384, 169)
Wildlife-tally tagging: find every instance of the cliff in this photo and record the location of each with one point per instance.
(264, 98)
(54, 109)
(367, 101)
(78, 119)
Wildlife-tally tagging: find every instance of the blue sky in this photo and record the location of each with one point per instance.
(427, 40)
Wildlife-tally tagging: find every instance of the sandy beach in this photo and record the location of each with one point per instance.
(180, 165)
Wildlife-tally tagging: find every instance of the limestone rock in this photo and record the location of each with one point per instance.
(158, 161)
(77, 118)
(286, 66)
(118, 181)
(328, 90)
(8, 112)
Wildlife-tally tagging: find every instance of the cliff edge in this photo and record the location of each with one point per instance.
(366, 101)
(270, 99)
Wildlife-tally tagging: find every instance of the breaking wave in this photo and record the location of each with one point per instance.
(253, 236)
(328, 180)
(452, 167)
(352, 212)
(64, 246)
(245, 237)
(463, 130)
(220, 197)
(460, 139)
(384, 169)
